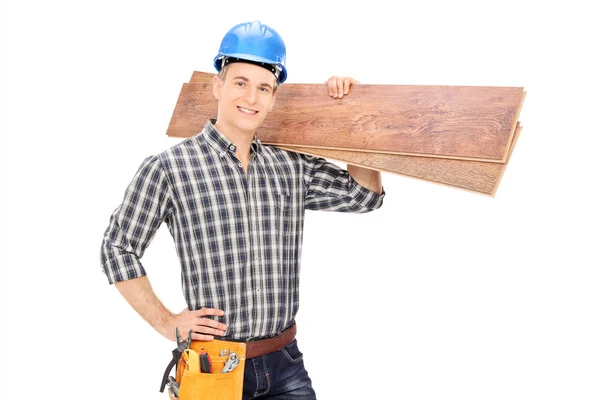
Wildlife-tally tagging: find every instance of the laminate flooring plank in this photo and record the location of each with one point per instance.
(479, 177)
(474, 176)
(459, 122)
(518, 130)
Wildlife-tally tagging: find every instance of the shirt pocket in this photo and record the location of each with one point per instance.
(282, 209)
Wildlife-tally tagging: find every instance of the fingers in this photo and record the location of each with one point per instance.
(205, 330)
(332, 87)
(200, 322)
(208, 325)
(209, 311)
(339, 86)
(347, 83)
(205, 338)
(335, 89)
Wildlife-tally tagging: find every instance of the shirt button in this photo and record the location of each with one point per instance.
(253, 226)
(257, 258)
(240, 164)
(232, 147)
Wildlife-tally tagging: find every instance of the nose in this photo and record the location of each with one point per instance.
(250, 95)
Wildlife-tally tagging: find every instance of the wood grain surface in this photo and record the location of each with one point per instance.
(456, 122)
(474, 176)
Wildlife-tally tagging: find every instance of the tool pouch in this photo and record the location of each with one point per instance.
(197, 385)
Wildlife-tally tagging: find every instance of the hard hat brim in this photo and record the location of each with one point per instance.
(251, 57)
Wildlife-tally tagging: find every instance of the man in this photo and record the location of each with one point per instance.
(235, 209)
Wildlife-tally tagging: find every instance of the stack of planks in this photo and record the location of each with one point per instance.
(458, 136)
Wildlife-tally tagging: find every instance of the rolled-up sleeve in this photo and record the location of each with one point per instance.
(331, 188)
(134, 223)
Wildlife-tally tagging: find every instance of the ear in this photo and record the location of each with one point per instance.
(217, 85)
(273, 99)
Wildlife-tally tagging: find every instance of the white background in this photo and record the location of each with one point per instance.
(440, 294)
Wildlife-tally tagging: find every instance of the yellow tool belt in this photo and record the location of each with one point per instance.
(221, 383)
(197, 385)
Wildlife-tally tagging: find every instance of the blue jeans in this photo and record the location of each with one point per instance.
(278, 376)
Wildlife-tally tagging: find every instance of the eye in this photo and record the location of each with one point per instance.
(264, 89)
(240, 83)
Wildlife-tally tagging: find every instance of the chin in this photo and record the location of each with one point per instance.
(249, 125)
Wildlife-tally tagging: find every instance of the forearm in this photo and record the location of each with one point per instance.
(139, 294)
(367, 178)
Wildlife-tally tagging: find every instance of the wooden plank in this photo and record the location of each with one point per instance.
(518, 130)
(459, 122)
(201, 77)
(474, 176)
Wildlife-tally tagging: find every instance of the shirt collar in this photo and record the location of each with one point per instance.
(221, 143)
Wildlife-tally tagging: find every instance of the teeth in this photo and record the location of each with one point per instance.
(246, 110)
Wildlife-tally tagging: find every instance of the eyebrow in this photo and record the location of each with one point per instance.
(248, 80)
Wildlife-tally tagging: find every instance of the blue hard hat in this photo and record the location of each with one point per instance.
(255, 43)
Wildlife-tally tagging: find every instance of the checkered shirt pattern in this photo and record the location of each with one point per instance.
(238, 236)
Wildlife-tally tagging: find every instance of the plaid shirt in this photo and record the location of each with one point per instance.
(238, 237)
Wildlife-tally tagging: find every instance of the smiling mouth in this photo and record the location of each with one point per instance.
(247, 110)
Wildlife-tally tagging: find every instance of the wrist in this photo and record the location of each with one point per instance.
(167, 326)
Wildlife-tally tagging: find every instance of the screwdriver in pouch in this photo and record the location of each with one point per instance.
(205, 363)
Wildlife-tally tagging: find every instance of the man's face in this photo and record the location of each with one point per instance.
(245, 96)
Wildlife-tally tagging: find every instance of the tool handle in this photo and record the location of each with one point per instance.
(205, 363)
